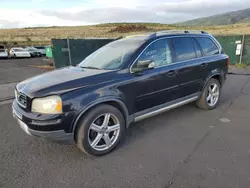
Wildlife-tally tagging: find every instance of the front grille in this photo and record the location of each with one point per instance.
(21, 99)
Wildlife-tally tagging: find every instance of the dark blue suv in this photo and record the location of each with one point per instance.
(125, 81)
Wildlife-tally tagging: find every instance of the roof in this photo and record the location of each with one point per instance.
(17, 48)
(147, 36)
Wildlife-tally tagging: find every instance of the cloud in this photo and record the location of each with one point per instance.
(203, 8)
(9, 24)
(103, 15)
(99, 11)
(31, 18)
(149, 11)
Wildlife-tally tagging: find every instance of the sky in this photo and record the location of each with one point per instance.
(34, 13)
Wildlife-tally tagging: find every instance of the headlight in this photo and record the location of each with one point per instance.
(47, 105)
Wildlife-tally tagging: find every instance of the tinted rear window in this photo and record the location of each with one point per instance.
(197, 49)
(184, 48)
(2, 49)
(40, 48)
(208, 46)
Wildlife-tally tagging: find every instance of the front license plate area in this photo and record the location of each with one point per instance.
(19, 117)
(24, 126)
(16, 114)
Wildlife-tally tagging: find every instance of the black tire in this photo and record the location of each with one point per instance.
(202, 101)
(83, 127)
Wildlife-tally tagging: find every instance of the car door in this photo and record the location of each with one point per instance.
(209, 50)
(157, 86)
(187, 55)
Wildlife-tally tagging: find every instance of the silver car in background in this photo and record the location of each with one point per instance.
(3, 52)
(42, 49)
(33, 52)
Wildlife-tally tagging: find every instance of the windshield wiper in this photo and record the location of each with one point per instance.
(89, 67)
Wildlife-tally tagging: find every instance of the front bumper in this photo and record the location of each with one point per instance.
(35, 54)
(50, 127)
(2, 55)
(23, 55)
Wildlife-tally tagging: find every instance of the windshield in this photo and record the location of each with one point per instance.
(31, 49)
(19, 50)
(111, 56)
(40, 47)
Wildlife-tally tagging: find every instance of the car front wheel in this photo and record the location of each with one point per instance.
(100, 130)
(210, 96)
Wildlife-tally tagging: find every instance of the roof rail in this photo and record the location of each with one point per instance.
(158, 33)
(181, 31)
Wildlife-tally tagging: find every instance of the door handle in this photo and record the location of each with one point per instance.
(203, 65)
(172, 73)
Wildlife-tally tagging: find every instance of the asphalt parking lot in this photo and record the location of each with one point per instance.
(13, 71)
(183, 148)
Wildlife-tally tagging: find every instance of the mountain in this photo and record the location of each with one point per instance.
(240, 16)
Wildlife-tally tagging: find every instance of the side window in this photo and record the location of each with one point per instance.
(159, 52)
(184, 48)
(208, 46)
(197, 49)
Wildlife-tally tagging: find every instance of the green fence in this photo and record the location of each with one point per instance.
(68, 52)
(229, 45)
(246, 50)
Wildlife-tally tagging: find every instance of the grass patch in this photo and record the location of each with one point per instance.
(129, 28)
(46, 67)
(43, 35)
(241, 66)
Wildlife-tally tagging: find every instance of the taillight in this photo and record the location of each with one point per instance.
(228, 62)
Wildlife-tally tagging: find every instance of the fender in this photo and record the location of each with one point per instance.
(100, 101)
(213, 73)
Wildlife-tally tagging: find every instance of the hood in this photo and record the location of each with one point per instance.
(62, 80)
(23, 52)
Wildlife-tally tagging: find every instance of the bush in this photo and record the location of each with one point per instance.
(51, 62)
(129, 28)
(242, 65)
(28, 39)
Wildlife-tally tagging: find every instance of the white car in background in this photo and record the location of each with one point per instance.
(19, 52)
(41, 49)
(3, 52)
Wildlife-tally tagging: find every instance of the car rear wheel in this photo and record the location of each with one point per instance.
(210, 96)
(100, 130)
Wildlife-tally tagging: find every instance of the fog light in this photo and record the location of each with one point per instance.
(50, 122)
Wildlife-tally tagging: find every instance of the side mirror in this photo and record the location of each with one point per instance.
(144, 65)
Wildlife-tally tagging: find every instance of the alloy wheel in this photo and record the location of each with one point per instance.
(104, 132)
(213, 94)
